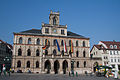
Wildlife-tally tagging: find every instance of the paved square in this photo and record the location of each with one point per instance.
(26, 76)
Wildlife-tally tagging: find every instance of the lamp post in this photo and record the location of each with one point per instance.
(7, 62)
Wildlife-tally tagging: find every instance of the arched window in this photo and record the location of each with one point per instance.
(84, 63)
(115, 46)
(46, 52)
(76, 43)
(29, 40)
(19, 64)
(54, 21)
(54, 52)
(37, 64)
(111, 46)
(28, 64)
(28, 52)
(83, 43)
(69, 42)
(62, 43)
(20, 40)
(38, 41)
(84, 54)
(77, 64)
(37, 52)
(62, 52)
(77, 54)
(54, 42)
(19, 52)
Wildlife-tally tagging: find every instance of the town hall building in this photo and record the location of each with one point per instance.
(51, 49)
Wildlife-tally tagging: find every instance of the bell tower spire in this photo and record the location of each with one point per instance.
(54, 18)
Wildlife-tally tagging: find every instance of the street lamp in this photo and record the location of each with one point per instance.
(7, 62)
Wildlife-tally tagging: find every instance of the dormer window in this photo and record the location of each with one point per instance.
(54, 21)
(111, 46)
(115, 46)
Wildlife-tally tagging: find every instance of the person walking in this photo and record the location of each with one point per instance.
(4, 70)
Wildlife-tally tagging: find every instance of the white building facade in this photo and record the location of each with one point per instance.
(109, 51)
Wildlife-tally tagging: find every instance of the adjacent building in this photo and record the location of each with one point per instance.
(109, 51)
(5, 54)
(51, 49)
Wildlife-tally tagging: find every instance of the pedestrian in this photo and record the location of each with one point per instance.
(116, 74)
(9, 72)
(4, 70)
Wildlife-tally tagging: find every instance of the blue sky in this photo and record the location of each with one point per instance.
(96, 19)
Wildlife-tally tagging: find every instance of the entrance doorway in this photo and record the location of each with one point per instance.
(56, 66)
(47, 66)
(65, 66)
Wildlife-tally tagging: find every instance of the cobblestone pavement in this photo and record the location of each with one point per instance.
(25, 76)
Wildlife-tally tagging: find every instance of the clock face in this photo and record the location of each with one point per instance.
(54, 30)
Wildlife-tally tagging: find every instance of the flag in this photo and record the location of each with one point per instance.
(71, 47)
(65, 49)
(58, 46)
(45, 45)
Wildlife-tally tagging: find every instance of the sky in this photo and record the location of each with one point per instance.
(95, 19)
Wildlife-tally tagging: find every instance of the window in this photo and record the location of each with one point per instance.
(83, 43)
(115, 46)
(84, 54)
(54, 52)
(77, 64)
(111, 46)
(54, 42)
(54, 21)
(110, 52)
(117, 53)
(38, 41)
(111, 60)
(20, 40)
(118, 60)
(69, 42)
(37, 64)
(28, 64)
(46, 52)
(62, 32)
(114, 52)
(115, 60)
(19, 52)
(84, 63)
(63, 52)
(19, 64)
(77, 54)
(29, 40)
(28, 52)
(62, 43)
(37, 52)
(76, 43)
(47, 30)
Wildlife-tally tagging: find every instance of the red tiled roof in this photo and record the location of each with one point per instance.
(99, 47)
(108, 43)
